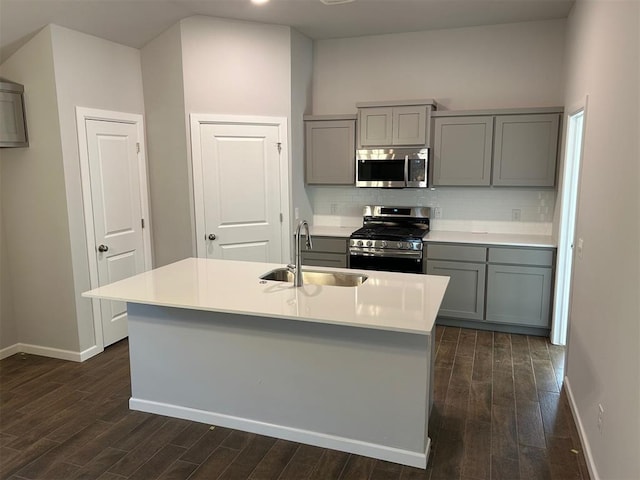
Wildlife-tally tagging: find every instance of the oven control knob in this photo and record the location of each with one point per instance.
(383, 244)
(369, 243)
(400, 245)
(359, 243)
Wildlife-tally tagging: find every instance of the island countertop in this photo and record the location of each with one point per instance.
(386, 301)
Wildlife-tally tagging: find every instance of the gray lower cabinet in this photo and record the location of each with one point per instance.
(519, 295)
(466, 267)
(519, 286)
(464, 297)
(330, 150)
(326, 252)
(508, 286)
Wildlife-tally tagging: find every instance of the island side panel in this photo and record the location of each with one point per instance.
(355, 389)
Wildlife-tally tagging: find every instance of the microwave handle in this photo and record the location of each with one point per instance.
(406, 170)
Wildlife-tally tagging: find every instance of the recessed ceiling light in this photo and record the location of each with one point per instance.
(259, 2)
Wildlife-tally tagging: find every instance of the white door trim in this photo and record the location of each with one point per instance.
(569, 199)
(82, 115)
(197, 119)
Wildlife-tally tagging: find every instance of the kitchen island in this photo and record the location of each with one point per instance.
(347, 368)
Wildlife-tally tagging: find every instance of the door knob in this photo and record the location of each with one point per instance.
(212, 236)
(103, 248)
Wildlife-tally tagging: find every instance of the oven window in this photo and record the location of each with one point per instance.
(386, 264)
(381, 170)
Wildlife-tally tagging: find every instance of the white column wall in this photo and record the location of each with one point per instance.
(301, 86)
(169, 178)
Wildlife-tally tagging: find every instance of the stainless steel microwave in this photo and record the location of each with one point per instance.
(392, 167)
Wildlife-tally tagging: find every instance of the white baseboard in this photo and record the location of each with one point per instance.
(8, 351)
(382, 452)
(90, 352)
(50, 352)
(586, 447)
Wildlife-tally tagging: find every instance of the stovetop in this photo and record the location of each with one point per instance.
(391, 232)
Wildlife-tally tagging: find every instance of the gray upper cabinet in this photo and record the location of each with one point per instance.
(330, 150)
(381, 124)
(511, 148)
(409, 125)
(462, 150)
(375, 126)
(525, 150)
(12, 125)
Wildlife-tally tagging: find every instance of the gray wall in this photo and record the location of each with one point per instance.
(603, 365)
(228, 67)
(42, 210)
(89, 72)
(498, 66)
(34, 205)
(8, 327)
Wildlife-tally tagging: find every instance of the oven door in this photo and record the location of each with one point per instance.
(401, 261)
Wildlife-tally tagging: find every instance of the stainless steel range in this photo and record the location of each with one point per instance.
(390, 239)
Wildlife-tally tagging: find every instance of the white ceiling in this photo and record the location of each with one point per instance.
(135, 22)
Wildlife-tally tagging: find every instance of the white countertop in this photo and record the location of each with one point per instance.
(328, 231)
(501, 239)
(479, 238)
(386, 301)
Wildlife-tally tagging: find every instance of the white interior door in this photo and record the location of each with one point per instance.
(117, 210)
(237, 171)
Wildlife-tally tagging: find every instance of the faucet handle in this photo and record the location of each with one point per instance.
(291, 267)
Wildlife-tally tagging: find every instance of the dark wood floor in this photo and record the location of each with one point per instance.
(499, 413)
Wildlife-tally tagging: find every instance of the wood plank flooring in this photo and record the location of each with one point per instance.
(499, 413)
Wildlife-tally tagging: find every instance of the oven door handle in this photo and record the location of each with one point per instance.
(387, 254)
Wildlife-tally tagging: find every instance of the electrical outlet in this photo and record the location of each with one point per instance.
(600, 417)
(515, 215)
(437, 212)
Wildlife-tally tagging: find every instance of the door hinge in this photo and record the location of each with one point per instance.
(142, 222)
(138, 147)
(279, 144)
(281, 218)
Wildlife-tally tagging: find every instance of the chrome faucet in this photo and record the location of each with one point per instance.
(296, 267)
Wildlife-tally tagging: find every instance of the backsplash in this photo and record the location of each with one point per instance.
(460, 209)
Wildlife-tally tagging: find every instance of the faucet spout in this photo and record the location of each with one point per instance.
(297, 279)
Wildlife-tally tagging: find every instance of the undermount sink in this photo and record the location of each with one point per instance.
(315, 277)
